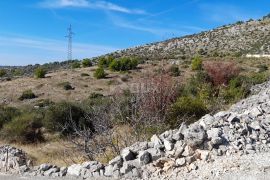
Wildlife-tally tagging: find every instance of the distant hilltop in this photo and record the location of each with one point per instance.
(239, 39)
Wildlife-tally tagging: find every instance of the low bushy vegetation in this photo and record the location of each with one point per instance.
(87, 63)
(159, 102)
(262, 67)
(84, 74)
(59, 117)
(23, 129)
(6, 114)
(100, 73)
(66, 86)
(221, 73)
(2, 72)
(95, 95)
(196, 63)
(17, 72)
(105, 61)
(40, 72)
(119, 64)
(28, 94)
(75, 65)
(191, 108)
(124, 64)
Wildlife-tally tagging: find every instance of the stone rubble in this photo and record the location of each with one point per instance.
(243, 129)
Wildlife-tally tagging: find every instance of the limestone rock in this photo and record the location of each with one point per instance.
(181, 162)
(127, 154)
(194, 135)
(144, 157)
(74, 170)
(168, 145)
(156, 140)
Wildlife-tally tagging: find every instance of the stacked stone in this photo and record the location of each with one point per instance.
(12, 159)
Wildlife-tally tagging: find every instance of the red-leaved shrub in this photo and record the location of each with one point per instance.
(221, 73)
(154, 96)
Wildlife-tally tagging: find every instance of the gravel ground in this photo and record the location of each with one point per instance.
(234, 167)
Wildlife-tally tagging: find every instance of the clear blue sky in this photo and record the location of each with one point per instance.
(32, 31)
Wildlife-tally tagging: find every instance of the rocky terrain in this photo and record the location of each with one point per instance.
(241, 38)
(229, 144)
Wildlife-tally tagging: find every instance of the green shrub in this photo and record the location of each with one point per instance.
(193, 85)
(186, 107)
(86, 63)
(2, 72)
(124, 64)
(238, 88)
(206, 93)
(112, 82)
(105, 61)
(84, 74)
(23, 129)
(76, 65)
(62, 115)
(40, 73)
(28, 94)
(257, 78)
(115, 65)
(174, 71)
(66, 86)
(17, 72)
(6, 114)
(262, 68)
(100, 73)
(196, 63)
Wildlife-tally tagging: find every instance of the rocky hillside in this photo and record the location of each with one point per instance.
(251, 37)
(241, 38)
(232, 141)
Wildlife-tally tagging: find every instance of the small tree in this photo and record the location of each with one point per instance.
(100, 73)
(86, 63)
(196, 63)
(40, 73)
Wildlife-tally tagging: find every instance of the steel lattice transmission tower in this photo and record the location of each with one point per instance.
(69, 36)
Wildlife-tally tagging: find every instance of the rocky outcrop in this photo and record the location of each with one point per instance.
(235, 39)
(244, 129)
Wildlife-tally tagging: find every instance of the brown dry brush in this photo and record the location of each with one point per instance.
(221, 72)
(141, 110)
(150, 103)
